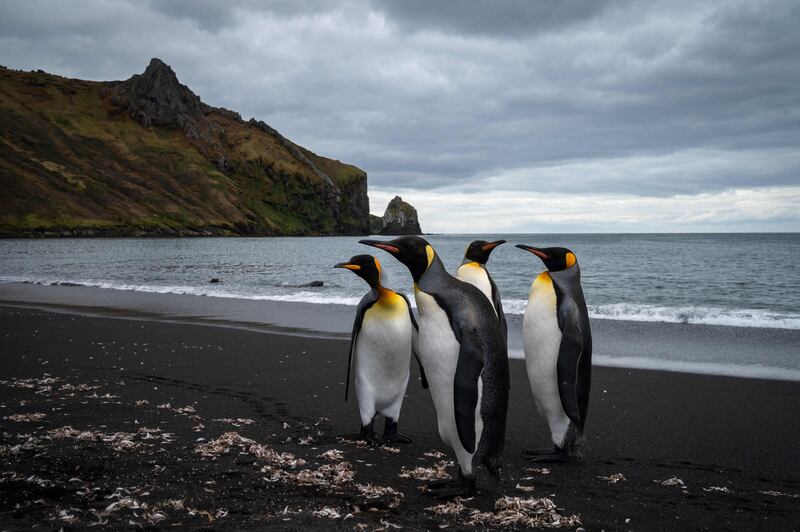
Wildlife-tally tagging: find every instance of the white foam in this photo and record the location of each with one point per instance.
(210, 291)
(758, 318)
(697, 315)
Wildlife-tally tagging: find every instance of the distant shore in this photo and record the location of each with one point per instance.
(126, 422)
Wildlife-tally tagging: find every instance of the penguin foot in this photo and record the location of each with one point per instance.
(368, 434)
(447, 489)
(555, 455)
(391, 435)
(397, 438)
(443, 483)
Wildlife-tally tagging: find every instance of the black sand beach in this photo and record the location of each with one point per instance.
(124, 404)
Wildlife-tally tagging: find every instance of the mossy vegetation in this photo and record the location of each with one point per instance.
(73, 163)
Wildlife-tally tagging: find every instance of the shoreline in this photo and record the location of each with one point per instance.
(731, 442)
(661, 346)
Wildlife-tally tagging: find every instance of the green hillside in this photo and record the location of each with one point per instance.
(147, 157)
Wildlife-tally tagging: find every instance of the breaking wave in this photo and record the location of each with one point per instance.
(758, 318)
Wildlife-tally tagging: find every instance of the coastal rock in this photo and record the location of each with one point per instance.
(313, 284)
(400, 218)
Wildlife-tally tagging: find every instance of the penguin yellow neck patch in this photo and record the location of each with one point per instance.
(389, 301)
(430, 253)
(542, 290)
(571, 260)
(378, 267)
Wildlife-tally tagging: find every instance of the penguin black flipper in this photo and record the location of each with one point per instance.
(498, 307)
(465, 388)
(364, 305)
(423, 378)
(569, 359)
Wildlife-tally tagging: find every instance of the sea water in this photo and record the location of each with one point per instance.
(750, 280)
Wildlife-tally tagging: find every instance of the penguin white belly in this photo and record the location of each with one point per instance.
(439, 354)
(382, 358)
(474, 274)
(542, 340)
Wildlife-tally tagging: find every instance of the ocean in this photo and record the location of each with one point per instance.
(749, 280)
(721, 280)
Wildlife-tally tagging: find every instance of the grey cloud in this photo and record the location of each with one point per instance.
(215, 15)
(490, 17)
(406, 91)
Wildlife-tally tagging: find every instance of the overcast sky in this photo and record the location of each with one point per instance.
(490, 115)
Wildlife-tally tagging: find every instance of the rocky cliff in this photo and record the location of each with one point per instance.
(146, 156)
(400, 218)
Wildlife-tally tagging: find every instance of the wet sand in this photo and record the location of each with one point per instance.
(144, 447)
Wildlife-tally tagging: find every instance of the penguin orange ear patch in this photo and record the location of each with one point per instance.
(571, 260)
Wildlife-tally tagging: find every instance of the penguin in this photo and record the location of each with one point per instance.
(381, 344)
(465, 360)
(473, 271)
(558, 351)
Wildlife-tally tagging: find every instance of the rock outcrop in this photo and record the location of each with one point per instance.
(400, 218)
(146, 156)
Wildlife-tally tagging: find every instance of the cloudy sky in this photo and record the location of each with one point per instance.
(487, 115)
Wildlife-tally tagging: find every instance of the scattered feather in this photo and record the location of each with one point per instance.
(383, 494)
(437, 455)
(334, 455)
(717, 489)
(327, 511)
(437, 472)
(773, 493)
(26, 418)
(515, 511)
(674, 481)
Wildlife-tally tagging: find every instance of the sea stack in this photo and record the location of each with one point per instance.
(400, 218)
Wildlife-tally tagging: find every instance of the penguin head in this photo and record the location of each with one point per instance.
(414, 252)
(556, 259)
(479, 251)
(365, 266)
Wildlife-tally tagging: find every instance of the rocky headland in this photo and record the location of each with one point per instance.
(146, 157)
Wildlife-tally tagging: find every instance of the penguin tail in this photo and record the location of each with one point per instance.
(493, 465)
(575, 442)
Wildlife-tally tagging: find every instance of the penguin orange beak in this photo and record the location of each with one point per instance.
(491, 245)
(380, 245)
(348, 266)
(536, 251)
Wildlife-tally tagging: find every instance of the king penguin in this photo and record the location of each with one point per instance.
(381, 344)
(465, 360)
(558, 351)
(473, 271)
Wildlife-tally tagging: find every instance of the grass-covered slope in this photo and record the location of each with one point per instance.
(146, 156)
